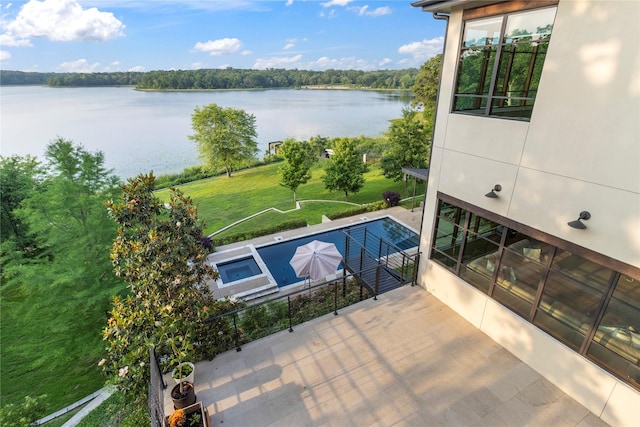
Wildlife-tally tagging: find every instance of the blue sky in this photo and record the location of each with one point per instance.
(145, 35)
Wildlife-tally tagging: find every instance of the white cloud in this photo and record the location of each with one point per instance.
(64, 20)
(219, 47)
(364, 11)
(331, 3)
(293, 42)
(276, 62)
(4, 55)
(385, 61)
(246, 53)
(9, 40)
(137, 69)
(346, 63)
(289, 3)
(421, 51)
(79, 66)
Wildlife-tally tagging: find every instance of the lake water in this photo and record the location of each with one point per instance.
(143, 131)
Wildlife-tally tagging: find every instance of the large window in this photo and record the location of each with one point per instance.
(588, 306)
(501, 62)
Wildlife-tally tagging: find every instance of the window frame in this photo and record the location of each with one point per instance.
(557, 245)
(503, 11)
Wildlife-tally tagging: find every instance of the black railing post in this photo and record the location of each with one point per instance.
(289, 312)
(344, 282)
(377, 288)
(335, 299)
(237, 335)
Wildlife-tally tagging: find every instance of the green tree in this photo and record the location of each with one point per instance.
(226, 137)
(18, 178)
(409, 142)
(345, 169)
(160, 252)
(425, 87)
(296, 170)
(66, 217)
(320, 143)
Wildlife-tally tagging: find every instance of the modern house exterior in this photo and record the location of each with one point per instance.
(531, 225)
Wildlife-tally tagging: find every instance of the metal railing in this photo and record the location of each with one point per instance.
(156, 390)
(378, 263)
(280, 313)
(371, 265)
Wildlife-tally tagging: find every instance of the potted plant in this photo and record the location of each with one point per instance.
(183, 394)
(192, 416)
(185, 371)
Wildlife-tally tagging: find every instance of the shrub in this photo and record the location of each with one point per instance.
(391, 198)
(246, 235)
(25, 413)
(370, 207)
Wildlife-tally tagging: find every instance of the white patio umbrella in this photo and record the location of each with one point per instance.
(316, 260)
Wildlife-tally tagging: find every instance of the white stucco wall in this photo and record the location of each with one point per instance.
(580, 151)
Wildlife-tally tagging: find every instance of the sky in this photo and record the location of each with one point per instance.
(146, 35)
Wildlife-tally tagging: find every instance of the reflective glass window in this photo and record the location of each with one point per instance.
(480, 255)
(571, 297)
(520, 271)
(449, 232)
(514, 55)
(616, 342)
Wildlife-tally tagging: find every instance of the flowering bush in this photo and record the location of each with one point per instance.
(161, 254)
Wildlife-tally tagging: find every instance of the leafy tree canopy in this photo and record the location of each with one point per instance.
(426, 85)
(64, 214)
(409, 142)
(345, 168)
(226, 137)
(160, 252)
(18, 178)
(298, 158)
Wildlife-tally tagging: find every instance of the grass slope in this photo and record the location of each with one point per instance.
(222, 200)
(51, 343)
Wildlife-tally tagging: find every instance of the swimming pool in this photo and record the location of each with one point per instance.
(276, 256)
(238, 269)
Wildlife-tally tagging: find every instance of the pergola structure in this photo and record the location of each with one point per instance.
(417, 173)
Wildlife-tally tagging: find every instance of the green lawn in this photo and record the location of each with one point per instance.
(51, 343)
(223, 200)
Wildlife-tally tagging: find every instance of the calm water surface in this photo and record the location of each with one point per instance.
(143, 131)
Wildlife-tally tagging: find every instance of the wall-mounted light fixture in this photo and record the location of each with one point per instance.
(492, 194)
(584, 215)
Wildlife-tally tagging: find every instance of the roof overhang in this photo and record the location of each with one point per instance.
(446, 6)
(422, 174)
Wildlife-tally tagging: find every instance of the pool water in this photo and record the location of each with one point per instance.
(238, 269)
(277, 256)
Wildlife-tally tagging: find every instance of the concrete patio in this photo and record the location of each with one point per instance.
(404, 360)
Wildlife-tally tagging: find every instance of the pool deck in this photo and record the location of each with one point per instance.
(261, 286)
(403, 360)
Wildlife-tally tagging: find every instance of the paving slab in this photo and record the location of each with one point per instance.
(403, 360)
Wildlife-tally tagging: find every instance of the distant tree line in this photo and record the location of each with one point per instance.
(229, 78)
